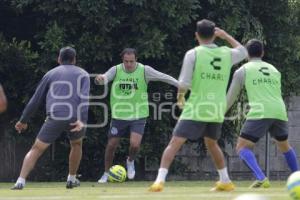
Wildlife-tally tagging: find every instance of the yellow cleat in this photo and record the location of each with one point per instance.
(227, 187)
(156, 187)
(261, 184)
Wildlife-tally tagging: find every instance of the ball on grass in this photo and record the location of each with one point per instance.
(293, 185)
(117, 173)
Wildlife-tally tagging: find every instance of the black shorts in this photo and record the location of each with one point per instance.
(194, 130)
(52, 129)
(119, 127)
(253, 130)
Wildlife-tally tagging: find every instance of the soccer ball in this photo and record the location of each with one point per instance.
(293, 185)
(117, 173)
(250, 197)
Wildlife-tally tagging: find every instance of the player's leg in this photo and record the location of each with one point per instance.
(251, 132)
(166, 160)
(279, 131)
(184, 129)
(134, 147)
(74, 158)
(110, 150)
(211, 135)
(29, 162)
(47, 135)
(137, 128)
(117, 129)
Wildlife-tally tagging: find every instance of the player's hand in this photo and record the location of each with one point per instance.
(181, 102)
(220, 33)
(100, 78)
(21, 126)
(78, 125)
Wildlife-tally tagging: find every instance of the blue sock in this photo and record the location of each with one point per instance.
(291, 159)
(249, 158)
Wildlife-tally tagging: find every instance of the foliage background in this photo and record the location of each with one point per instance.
(32, 32)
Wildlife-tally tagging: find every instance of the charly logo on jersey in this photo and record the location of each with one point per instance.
(216, 64)
(113, 131)
(127, 86)
(264, 71)
(266, 78)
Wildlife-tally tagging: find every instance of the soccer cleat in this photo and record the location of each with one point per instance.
(156, 187)
(261, 184)
(17, 186)
(103, 178)
(130, 169)
(226, 187)
(71, 185)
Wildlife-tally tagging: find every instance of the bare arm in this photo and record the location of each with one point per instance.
(181, 97)
(225, 36)
(3, 101)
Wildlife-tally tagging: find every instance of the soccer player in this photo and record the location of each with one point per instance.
(267, 110)
(66, 90)
(129, 105)
(3, 101)
(205, 71)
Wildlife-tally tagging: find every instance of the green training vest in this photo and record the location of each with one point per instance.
(263, 86)
(128, 96)
(207, 101)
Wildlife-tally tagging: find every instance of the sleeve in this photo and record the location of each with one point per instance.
(109, 76)
(36, 99)
(154, 75)
(85, 91)
(186, 74)
(236, 86)
(238, 54)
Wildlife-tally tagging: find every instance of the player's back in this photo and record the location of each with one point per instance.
(65, 89)
(263, 86)
(207, 101)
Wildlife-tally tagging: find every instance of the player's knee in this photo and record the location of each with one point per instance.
(76, 145)
(37, 150)
(135, 146)
(111, 146)
(211, 143)
(238, 149)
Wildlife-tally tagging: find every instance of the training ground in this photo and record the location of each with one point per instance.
(174, 190)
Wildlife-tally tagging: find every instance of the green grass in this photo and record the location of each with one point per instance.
(175, 190)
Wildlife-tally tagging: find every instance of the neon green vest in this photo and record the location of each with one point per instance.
(128, 96)
(207, 101)
(263, 85)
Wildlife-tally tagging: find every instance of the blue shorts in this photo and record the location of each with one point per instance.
(120, 128)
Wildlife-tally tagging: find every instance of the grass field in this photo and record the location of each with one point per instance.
(177, 190)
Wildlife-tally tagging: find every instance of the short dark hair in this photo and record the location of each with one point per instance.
(67, 55)
(255, 48)
(206, 28)
(128, 51)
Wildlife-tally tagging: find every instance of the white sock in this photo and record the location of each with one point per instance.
(130, 162)
(224, 177)
(21, 180)
(161, 176)
(106, 174)
(71, 178)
